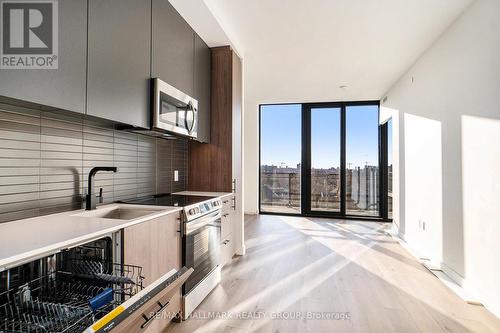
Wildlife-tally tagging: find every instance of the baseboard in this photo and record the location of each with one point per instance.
(394, 230)
(470, 294)
(455, 287)
(450, 272)
(493, 309)
(449, 277)
(241, 251)
(394, 233)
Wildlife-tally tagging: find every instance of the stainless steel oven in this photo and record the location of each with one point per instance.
(201, 248)
(173, 111)
(201, 235)
(201, 252)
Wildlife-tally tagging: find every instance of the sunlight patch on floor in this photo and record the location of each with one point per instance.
(318, 272)
(359, 240)
(255, 262)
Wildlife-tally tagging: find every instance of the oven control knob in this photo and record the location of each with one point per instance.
(192, 211)
(196, 210)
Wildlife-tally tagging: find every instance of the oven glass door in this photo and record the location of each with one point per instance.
(201, 245)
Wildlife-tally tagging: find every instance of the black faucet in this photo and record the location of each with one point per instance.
(90, 198)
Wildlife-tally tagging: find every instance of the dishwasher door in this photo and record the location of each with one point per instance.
(83, 290)
(138, 312)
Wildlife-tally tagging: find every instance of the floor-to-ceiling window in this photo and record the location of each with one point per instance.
(362, 160)
(323, 159)
(280, 158)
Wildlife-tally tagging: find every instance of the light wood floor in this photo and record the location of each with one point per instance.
(296, 264)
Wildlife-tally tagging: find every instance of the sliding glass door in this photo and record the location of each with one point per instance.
(325, 159)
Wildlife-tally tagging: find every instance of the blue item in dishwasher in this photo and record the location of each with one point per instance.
(101, 299)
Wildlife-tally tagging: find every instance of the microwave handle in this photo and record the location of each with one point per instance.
(190, 108)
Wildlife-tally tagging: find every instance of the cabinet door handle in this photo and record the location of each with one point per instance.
(226, 242)
(225, 215)
(153, 316)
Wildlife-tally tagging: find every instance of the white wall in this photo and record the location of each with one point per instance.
(450, 151)
(423, 186)
(251, 156)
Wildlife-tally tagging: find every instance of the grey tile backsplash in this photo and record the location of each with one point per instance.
(45, 159)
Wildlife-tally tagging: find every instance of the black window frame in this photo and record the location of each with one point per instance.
(306, 162)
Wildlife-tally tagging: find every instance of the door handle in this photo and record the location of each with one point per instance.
(149, 320)
(210, 219)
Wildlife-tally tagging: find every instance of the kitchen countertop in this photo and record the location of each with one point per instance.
(206, 194)
(25, 240)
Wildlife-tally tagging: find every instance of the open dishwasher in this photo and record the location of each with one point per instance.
(83, 289)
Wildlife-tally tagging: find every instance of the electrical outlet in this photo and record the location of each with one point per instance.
(176, 175)
(421, 224)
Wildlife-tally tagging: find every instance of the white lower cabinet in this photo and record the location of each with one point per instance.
(227, 249)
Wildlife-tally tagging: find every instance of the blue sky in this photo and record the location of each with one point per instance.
(281, 135)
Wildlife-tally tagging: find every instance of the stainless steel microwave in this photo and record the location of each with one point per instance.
(174, 111)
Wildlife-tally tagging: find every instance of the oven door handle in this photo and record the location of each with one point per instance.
(190, 227)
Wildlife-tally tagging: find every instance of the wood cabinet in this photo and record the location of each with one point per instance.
(155, 246)
(216, 158)
(119, 46)
(222, 158)
(64, 87)
(202, 74)
(172, 47)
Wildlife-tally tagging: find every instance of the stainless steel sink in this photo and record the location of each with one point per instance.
(118, 213)
(126, 213)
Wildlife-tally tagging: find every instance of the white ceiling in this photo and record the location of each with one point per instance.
(297, 50)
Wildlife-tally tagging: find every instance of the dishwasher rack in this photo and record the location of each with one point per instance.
(66, 292)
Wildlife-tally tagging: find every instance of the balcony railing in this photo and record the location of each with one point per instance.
(280, 192)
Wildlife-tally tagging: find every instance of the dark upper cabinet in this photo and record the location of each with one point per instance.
(173, 47)
(119, 49)
(64, 87)
(202, 87)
